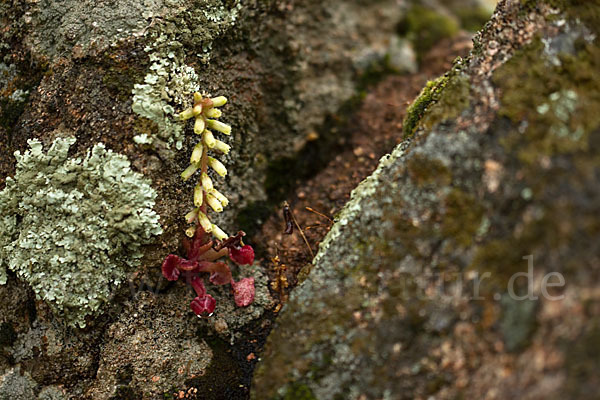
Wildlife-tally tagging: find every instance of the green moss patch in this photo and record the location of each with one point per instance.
(425, 27)
(449, 94)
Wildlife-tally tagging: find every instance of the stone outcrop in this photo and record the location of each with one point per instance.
(466, 266)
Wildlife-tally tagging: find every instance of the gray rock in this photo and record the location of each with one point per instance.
(17, 385)
(401, 56)
(403, 300)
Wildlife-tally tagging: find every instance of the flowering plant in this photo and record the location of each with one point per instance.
(203, 251)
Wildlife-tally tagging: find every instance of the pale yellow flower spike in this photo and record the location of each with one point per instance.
(199, 126)
(192, 215)
(189, 232)
(219, 101)
(189, 171)
(214, 113)
(219, 126)
(222, 147)
(205, 114)
(187, 114)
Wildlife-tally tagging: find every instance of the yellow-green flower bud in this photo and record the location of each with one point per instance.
(189, 171)
(189, 232)
(219, 101)
(187, 114)
(197, 110)
(217, 166)
(218, 233)
(204, 222)
(219, 126)
(206, 182)
(197, 153)
(213, 113)
(209, 139)
(197, 97)
(219, 196)
(198, 195)
(192, 215)
(199, 125)
(214, 203)
(222, 147)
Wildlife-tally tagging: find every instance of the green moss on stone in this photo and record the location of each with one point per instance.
(452, 100)
(451, 91)
(425, 27)
(71, 228)
(472, 18)
(417, 109)
(298, 391)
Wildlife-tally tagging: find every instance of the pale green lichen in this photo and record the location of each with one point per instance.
(170, 80)
(71, 228)
(167, 82)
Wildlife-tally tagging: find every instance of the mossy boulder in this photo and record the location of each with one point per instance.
(468, 262)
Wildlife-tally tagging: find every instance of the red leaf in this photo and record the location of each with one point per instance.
(198, 245)
(204, 304)
(187, 265)
(243, 292)
(243, 255)
(198, 285)
(220, 274)
(198, 248)
(169, 267)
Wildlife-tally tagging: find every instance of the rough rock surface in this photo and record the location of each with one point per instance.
(117, 72)
(410, 294)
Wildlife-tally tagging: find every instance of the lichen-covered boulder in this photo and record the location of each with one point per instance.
(466, 266)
